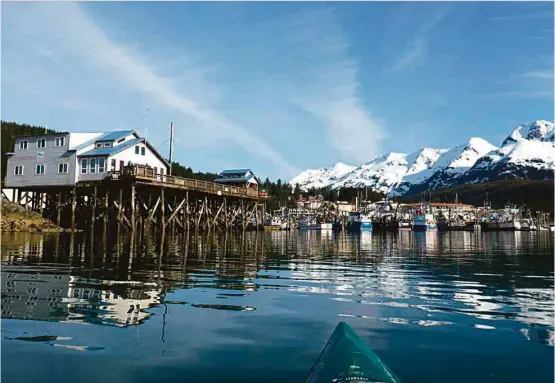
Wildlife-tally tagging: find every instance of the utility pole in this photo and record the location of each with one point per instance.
(171, 146)
(146, 122)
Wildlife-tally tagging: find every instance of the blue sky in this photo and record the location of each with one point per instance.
(280, 87)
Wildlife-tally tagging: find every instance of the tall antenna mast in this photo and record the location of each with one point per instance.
(146, 122)
(171, 146)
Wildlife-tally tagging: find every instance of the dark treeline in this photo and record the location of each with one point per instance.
(533, 195)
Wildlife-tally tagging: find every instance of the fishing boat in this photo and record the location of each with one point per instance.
(423, 220)
(358, 221)
(405, 225)
(346, 358)
(337, 225)
(314, 224)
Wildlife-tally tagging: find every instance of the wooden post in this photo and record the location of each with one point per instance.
(162, 209)
(106, 210)
(120, 207)
(243, 215)
(188, 210)
(93, 215)
(73, 205)
(256, 215)
(41, 208)
(59, 208)
(133, 207)
(226, 223)
(263, 213)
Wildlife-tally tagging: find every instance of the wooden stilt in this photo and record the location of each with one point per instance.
(73, 205)
(59, 206)
(106, 210)
(162, 209)
(93, 215)
(188, 210)
(133, 207)
(120, 207)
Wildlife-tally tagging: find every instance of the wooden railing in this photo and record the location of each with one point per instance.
(147, 173)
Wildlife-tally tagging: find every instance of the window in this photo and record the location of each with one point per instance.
(60, 141)
(92, 166)
(161, 170)
(23, 144)
(143, 151)
(18, 170)
(137, 149)
(113, 164)
(155, 170)
(107, 144)
(84, 166)
(99, 145)
(41, 143)
(121, 140)
(101, 161)
(62, 168)
(39, 169)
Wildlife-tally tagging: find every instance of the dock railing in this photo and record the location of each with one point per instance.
(146, 173)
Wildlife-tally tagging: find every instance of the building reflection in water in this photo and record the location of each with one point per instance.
(114, 280)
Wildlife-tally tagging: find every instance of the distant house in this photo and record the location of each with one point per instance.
(239, 177)
(68, 158)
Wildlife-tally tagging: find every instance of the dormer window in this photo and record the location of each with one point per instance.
(107, 144)
(98, 145)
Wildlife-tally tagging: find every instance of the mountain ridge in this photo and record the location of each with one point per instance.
(528, 152)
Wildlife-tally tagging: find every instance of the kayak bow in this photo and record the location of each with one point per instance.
(346, 358)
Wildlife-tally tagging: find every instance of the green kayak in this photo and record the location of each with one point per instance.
(346, 358)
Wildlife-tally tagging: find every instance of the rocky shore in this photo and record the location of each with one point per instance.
(16, 218)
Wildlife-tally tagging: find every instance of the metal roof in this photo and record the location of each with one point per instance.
(236, 171)
(235, 179)
(115, 135)
(111, 150)
(42, 135)
(108, 136)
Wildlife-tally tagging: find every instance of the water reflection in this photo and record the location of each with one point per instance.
(483, 280)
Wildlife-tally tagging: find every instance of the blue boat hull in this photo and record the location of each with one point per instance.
(360, 226)
(424, 227)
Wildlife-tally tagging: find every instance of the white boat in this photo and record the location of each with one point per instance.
(359, 221)
(310, 224)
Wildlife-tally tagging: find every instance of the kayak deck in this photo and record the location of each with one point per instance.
(346, 358)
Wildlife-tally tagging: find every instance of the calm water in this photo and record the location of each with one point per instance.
(437, 307)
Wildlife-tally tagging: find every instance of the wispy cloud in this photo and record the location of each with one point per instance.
(525, 16)
(519, 94)
(66, 28)
(417, 46)
(547, 75)
(330, 87)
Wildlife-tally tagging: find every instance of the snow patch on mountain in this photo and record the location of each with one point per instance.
(528, 152)
(540, 130)
(323, 177)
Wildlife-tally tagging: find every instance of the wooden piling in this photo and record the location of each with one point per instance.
(73, 206)
(59, 206)
(133, 207)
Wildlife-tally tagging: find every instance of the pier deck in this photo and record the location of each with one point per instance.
(137, 198)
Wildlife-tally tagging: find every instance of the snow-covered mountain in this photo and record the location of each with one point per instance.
(528, 152)
(318, 178)
(449, 166)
